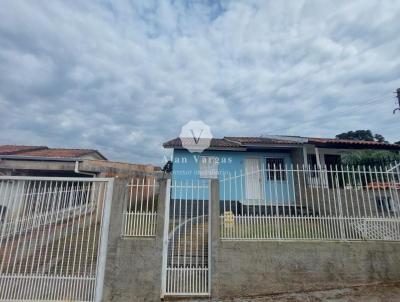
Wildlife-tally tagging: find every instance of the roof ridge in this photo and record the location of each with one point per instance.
(22, 149)
(83, 149)
(352, 140)
(16, 145)
(231, 141)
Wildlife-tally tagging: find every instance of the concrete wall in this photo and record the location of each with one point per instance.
(107, 168)
(133, 268)
(257, 268)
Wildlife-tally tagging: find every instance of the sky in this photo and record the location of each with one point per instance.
(124, 76)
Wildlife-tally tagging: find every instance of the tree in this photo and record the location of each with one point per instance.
(362, 135)
(370, 158)
(397, 143)
(365, 135)
(379, 138)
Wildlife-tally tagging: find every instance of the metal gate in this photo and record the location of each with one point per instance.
(186, 252)
(53, 237)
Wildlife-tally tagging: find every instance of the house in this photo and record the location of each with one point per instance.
(44, 161)
(17, 160)
(241, 163)
(67, 164)
(233, 154)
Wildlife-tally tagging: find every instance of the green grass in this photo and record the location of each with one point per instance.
(287, 228)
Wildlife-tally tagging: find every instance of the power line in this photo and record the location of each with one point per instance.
(340, 112)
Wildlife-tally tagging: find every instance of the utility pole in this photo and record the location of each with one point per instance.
(398, 99)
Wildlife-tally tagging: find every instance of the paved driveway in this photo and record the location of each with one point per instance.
(376, 293)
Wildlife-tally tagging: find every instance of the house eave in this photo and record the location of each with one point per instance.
(40, 158)
(213, 148)
(274, 146)
(355, 146)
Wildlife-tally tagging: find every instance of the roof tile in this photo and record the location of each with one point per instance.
(16, 149)
(245, 141)
(43, 151)
(215, 143)
(57, 152)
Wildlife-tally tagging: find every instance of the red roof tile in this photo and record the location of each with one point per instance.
(16, 149)
(43, 151)
(59, 152)
(247, 141)
(319, 140)
(215, 143)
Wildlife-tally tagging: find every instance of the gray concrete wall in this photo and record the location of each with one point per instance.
(251, 268)
(133, 268)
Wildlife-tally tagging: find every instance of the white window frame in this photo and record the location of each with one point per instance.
(208, 167)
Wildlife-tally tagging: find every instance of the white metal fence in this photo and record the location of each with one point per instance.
(52, 238)
(140, 212)
(312, 203)
(186, 239)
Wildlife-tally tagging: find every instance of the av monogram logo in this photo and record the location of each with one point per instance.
(196, 136)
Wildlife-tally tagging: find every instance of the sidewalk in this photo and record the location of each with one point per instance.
(372, 293)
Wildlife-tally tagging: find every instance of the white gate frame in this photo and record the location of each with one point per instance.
(166, 241)
(104, 231)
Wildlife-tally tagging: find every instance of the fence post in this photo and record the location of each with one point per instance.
(214, 237)
(165, 195)
(101, 266)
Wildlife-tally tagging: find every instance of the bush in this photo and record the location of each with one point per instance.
(370, 158)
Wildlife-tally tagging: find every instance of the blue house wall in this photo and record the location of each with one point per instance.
(231, 173)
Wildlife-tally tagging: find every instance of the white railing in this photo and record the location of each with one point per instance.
(52, 238)
(305, 203)
(140, 212)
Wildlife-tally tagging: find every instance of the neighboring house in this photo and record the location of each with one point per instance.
(43, 161)
(248, 157)
(57, 162)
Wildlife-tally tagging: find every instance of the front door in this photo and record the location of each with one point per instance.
(253, 178)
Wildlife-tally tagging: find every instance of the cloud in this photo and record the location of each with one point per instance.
(123, 77)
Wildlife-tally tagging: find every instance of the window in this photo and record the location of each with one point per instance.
(275, 169)
(3, 211)
(312, 164)
(312, 161)
(208, 167)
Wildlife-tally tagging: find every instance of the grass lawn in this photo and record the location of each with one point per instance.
(242, 227)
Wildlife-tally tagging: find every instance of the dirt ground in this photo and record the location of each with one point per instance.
(375, 293)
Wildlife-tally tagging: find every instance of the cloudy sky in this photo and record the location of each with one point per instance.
(124, 76)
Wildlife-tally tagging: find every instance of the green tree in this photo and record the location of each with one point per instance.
(362, 135)
(370, 158)
(379, 138)
(365, 135)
